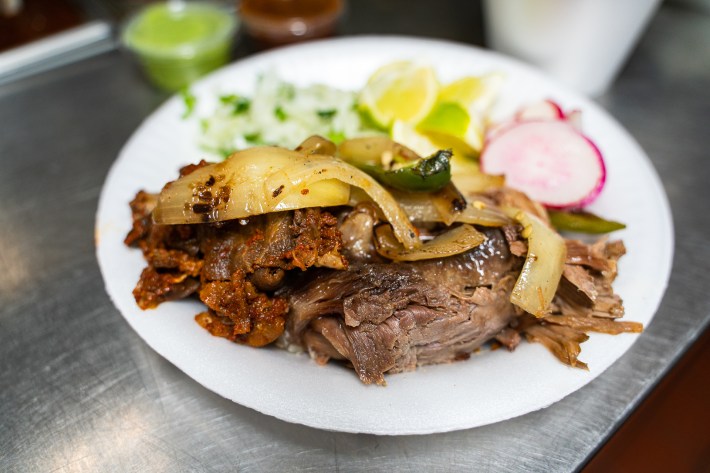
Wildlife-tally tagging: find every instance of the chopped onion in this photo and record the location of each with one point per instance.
(540, 276)
(452, 242)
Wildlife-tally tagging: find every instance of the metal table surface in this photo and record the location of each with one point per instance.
(80, 391)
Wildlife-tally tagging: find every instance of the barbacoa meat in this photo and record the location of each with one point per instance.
(233, 267)
(389, 318)
(310, 280)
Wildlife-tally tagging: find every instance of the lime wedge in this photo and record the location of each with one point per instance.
(406, 134)
(400, 91)
(473, 93)
(452, 126)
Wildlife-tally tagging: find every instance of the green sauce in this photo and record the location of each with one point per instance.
(178, 42)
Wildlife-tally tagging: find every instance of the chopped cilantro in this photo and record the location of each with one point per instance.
(227, 99)
(240, 104)
(189, 100)
(253, 137)
(287, 91)
(280, 113)
(327, 114)
(336, 136)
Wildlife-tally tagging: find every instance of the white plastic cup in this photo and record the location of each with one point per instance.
(583, 43)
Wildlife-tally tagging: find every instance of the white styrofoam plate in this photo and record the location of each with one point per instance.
(491, 386)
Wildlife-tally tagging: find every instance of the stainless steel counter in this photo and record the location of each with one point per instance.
(80, 391)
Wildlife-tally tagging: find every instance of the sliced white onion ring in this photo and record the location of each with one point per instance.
(542, 270)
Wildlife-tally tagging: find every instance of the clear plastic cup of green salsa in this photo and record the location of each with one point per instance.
(178, 41)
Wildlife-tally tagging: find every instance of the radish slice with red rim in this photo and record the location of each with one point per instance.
(574, 118)
(544, 110)
(498, 128)
(548, 160)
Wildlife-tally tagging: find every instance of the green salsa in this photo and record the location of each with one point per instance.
(177, 42)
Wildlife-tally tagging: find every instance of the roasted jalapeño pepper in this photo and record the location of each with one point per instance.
(423, 175)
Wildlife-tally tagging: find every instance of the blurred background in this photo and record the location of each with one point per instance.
(37, 35)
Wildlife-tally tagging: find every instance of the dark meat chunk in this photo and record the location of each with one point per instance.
(585, 302)
(244, 262)
(595, 324)
(319, 348)
(141, 207)
(156, 287)
(563, 342)
(577, 285)
(182, 262)
(507, 197)
(388, 318)
(600, 256)
(233, 266)
(509, 338)
(243, 314)
(273, 242)
(171, 254)
(518, 246)
(357, 228)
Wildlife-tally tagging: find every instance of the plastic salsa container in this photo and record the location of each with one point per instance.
(278, 22)
(178, 42)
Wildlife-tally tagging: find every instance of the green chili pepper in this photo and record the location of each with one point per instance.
(583, 222)
(423, 175)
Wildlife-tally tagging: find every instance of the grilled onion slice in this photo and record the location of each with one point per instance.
(271, 179)
(451, 242)
(424, 208)
(540, 276)
(235, 188)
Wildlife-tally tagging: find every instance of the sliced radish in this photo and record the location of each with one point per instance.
(496, 129)
(548, 160)
(544, 110)
(574, 118)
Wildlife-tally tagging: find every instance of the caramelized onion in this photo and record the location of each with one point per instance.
(235, 188)
(317, 145)
(375, 151)
(469, 179)
(270, 179)
(449, 203)
(316, 168)
(540, 276)
(421, 208)
(452, 242)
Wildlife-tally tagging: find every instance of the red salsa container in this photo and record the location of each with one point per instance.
(278, 22)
